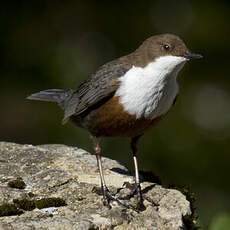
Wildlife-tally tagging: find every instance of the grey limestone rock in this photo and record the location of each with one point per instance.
(51, 187)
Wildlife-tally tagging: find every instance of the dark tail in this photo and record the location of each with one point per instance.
(54, 95)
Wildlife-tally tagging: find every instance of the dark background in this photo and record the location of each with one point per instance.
(57, 44)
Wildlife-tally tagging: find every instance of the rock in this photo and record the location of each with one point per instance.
(52, 189)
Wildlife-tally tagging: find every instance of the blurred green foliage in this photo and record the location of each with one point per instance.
(57, 44)
(221, 222)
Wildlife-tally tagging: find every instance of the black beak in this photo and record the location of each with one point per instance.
(191, 56)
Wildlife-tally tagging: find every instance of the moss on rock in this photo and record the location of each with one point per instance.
(9, 210)
(50, 202)
(17, 183)
(25, 204)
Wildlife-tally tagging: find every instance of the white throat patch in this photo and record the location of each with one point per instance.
(149, 92)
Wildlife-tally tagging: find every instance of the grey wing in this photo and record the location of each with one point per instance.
(96, 90)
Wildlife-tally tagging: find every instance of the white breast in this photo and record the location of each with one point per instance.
(149, 92)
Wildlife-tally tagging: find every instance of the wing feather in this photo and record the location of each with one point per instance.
(97, 89)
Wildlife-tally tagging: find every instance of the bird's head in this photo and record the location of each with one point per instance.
(168, 48)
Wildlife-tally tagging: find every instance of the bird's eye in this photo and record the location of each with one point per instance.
(166, 47)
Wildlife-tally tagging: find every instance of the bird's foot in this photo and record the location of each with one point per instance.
(108, 197)
(135, 191)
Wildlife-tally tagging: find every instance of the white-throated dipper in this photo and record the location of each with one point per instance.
(126, 96)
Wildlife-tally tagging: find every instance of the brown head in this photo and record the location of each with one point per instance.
(165, 45)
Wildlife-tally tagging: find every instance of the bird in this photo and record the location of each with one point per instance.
(125, 97)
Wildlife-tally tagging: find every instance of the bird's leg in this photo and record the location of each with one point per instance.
(104, 188)
(107, 196)
(137, 188)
